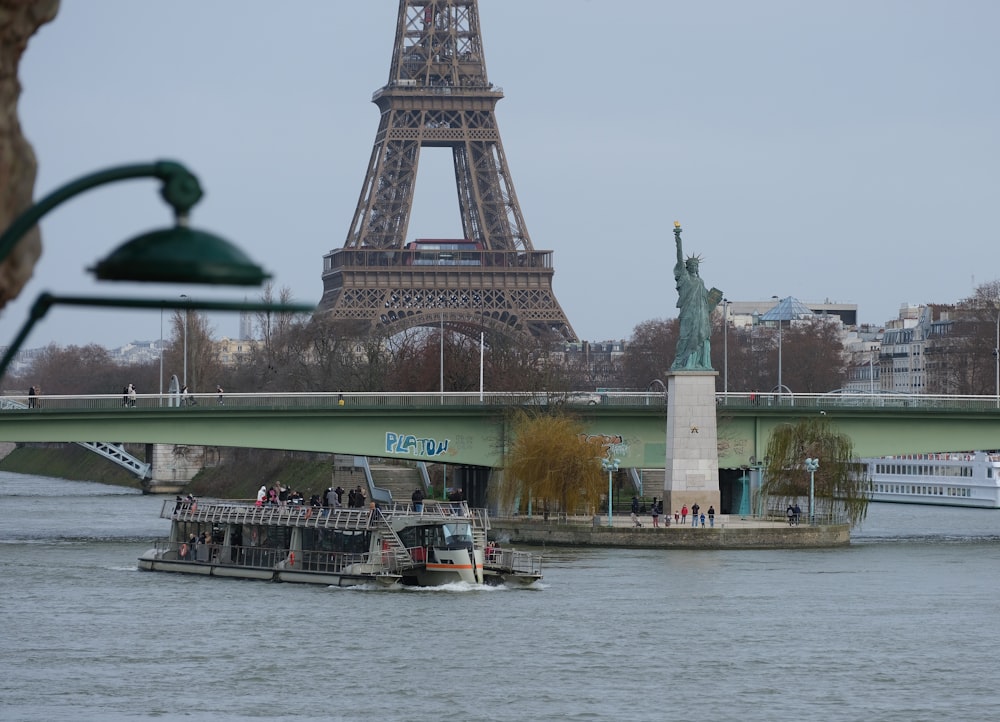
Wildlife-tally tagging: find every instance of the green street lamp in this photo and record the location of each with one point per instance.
(812, 466)
(178, 254)
(610, 466)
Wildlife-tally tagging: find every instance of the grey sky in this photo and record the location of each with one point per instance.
(838, 150)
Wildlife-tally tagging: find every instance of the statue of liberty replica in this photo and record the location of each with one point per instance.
(691, 470)
(696, 304)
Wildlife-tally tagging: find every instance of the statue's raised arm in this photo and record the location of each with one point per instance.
(695, 305)
(680, 247)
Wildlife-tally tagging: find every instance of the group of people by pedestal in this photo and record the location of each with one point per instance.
(698, 517)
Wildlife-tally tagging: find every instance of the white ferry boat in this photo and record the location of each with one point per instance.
(950, 479)
(393, 545)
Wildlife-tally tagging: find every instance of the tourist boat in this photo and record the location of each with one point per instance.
(387, 546)
(950, 479)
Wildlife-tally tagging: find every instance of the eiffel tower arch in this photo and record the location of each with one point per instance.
(438, 95)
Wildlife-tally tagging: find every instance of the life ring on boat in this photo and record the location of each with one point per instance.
(184, 551)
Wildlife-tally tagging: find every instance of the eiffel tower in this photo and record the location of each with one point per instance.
(438, 95)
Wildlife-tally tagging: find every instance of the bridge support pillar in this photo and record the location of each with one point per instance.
(691, 471)
(173, 466)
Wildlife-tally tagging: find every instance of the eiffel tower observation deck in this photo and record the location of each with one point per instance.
(492, 279)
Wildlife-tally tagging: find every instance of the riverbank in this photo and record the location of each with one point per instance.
(237, 475)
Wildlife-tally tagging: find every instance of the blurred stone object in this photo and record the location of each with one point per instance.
(19, 19)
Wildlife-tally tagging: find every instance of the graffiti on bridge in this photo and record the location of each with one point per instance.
(413, 445)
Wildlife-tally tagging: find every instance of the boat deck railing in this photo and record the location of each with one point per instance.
(297, 515)
(513, 560)
(269, 558)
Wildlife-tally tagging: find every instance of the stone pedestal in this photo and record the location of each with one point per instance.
(692, 463)
(174, 465)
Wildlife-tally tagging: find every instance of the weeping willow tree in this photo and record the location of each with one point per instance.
(840, 484)
(551, 459)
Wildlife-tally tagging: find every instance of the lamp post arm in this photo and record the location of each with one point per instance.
(39, 308)
(181, 190)
(46, 300)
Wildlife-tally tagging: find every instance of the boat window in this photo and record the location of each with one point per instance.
(457, 533)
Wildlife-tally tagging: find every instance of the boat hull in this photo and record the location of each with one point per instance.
(291, 576)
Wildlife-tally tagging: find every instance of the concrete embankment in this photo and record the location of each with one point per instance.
(735, 534)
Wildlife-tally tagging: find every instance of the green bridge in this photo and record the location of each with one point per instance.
(474, 429)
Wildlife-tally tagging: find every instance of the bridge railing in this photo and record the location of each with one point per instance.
(577, 401)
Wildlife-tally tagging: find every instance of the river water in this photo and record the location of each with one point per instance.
(902, 625)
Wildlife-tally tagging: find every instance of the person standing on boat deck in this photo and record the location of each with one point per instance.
(32, 397)
(219, 391)
(351, 501)
(418, 499)
(262, 494)
(694, 514)
(131, 395)
(339, 491)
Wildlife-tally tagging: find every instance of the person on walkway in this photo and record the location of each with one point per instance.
(655, 512)
(711, 515)
(635, 505)
(32, 397)
(790, 513)
(219, 391)
(131, 395)
(417, 497)
(694, 514)
(684, 514)
(703, 520)
(797, 513)
(677, 517)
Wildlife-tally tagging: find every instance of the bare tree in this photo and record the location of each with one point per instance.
(813, 358)
(649, 353)
(204, 369)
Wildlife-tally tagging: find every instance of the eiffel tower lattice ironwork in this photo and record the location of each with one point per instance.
(438, 95)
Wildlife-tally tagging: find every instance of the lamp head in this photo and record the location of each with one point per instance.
(180, 255)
